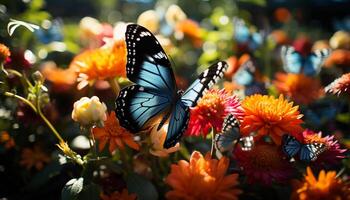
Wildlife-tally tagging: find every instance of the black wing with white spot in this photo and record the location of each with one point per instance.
(229, 135)
(204, 82)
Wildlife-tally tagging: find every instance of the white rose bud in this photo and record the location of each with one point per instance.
(89, 111)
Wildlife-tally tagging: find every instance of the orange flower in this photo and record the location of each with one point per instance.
(4, 53)
(282, 15)
(34, 157)
(327, 186)
(115, 134)
(58, 76)
(300, 88)
(190, 29)
(100, 64)
(338, 57)
(124, 195)
(7, 140)
(267, 115)
(339, 85)
(202, 178)
(280, 37)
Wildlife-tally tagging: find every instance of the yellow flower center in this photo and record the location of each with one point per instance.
(212, 105)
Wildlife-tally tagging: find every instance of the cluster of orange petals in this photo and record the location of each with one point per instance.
(34, 157)
(300, 88)
(192, 30)
(58, 76)
(327, 186)
(100, 64)
(267, 115)
(114, 134)
(339, 57)
(4, 53)
(124, 195)
(7, 140)
(202, 178)
(339, 85)
(234, 63)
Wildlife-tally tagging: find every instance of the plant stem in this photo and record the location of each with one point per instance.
(213, 133)
(113, 82)
(9, 94)
(48, 123)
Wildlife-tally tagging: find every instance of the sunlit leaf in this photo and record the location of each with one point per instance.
(14, 24)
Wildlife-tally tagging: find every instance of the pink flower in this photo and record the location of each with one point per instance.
(211, 111)
(339, 85)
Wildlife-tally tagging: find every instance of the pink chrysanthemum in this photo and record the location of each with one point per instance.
(333, 153)
(211, 111)
(264, 164)
(339, 85)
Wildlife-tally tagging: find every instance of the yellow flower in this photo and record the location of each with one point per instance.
(101, 64)
(202, 178)
(34, 158)
(89, 111)
(113, 133)
(340, 40)
(267, 115)
(327, 186)
(149, 19)
(158, 139)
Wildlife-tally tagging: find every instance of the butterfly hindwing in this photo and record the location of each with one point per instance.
(229, 134)
(314, 61)
(292, 60)
(136, 105)
(291, 146)
(147, 63)
(204, 81)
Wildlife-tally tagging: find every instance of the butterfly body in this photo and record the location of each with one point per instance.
(308, 152)
(154, 98)
(294, 62)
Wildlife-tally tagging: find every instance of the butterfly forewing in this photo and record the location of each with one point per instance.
(204, 82)
(229, 134)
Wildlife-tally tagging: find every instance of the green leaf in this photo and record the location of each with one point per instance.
(90, 192)
(141, 186)
(72, 189)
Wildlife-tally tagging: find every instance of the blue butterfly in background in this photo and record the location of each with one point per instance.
(243, 35)
(155, 96)
(294, 62)
(245, 74)
(308, 152)
(52, 34)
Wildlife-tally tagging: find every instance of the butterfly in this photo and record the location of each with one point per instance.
(230, 135)
(154, 96)
(294, 62)
(245, 74)
(243, 35)
(308, 152)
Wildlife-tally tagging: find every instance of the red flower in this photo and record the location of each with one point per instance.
(211, 111)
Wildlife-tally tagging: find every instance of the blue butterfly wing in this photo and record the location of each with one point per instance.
(291, 146)
(204, 81)
(147, 63)
(245, 74)
(136, 106)
(241, 31)
(256, 40)
(178, 122)
(314, 61)
(309, 152)
(292, 60)
(229, 134)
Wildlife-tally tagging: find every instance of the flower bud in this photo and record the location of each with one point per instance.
(89, 111)
(38, 77)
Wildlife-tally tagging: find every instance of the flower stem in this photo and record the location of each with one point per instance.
(213, 133)
(113, 82)
(9, 94)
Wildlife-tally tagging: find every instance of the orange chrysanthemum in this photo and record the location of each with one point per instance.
(211, 111)
(100, 64)
(124, 195)
(202, 178)
(300, 88)
(339, 85)
(34, 157)
(6, 140)
(267, 115)
(191, 29)
(327, 186)
(264, 163)
(58, 76)
(4, 53)
(115, 134)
